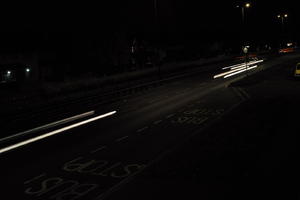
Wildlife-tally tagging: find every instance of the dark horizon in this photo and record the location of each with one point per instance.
(178, 20)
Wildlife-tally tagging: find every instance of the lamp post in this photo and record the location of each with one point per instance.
(157, 33)
(245, 48)
(243, 7)
(282, 18)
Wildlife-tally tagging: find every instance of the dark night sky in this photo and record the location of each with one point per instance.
(213, 20)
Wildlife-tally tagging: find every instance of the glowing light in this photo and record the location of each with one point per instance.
(286, 15)
(229, 72)
(8, 72)
(241, 71)
(248, 5)
(243, 64)
(27, 70)
(20, 144)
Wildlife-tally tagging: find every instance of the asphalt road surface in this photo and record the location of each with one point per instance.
(107, 157)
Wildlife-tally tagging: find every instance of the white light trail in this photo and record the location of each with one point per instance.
(229, 72)
(238, 72)
(20, 144)
(243, 64)
(238, 68)
(48, 126)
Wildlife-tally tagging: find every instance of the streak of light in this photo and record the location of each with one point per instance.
(238, 72)
(25, 142)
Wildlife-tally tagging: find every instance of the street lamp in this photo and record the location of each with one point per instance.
(281, 17)
(243, 6)
(246, 48)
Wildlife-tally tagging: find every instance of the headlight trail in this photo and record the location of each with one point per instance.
(34, 139)
(238, 65)
(229, 72)
(238, 72)
(238, 68)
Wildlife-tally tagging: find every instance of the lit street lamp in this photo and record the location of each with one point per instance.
(243, 7)
(246, 48)
(282, 18)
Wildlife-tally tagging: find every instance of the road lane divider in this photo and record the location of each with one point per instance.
(52, 133)
(243, 95)
(142, 129)
(122, 138)
(157, 122)
(98, 149)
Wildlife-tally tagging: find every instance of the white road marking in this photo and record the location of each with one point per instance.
(99, 149)
(35, 178)
(158, 122)
(169, 116)
(142, 129)
(122, 138)
(244, 92)
(23, 143)
(239, 94)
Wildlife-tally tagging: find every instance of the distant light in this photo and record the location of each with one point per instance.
(8, 72)
(248, 5)
(27, 70)
(286, 15)
(289, 44)
(278, 16)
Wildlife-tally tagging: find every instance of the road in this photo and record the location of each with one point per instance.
(96, 159)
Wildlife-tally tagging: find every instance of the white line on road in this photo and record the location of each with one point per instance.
(122, 138)
(23, 143)
(35, 178)
(169, 116)
(244, 92)
(99, 149)
(158, 122)
(142, 129)
(236, 91)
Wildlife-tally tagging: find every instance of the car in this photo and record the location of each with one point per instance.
(297, 70)
(286, 50)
